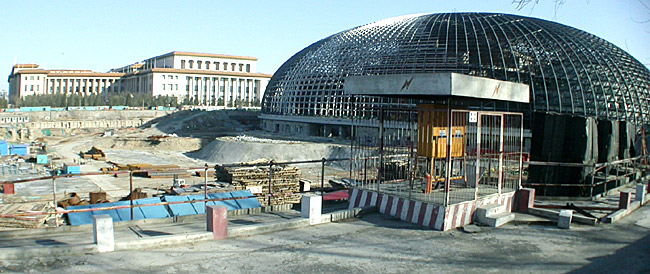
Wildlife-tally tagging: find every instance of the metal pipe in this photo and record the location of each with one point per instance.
(411, 169)
(448, 152)
(131, 192)
(270, 180)
(322, 178)
(582, 207)
(205, 186)
(36, 213)
(380, 172)
(56, 220)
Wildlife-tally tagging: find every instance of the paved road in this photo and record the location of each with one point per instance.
(380, 244)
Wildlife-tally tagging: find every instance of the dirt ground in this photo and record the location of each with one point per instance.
(189, 139)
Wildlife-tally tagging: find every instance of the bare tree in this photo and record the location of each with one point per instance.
(521, 4)
(647, 7)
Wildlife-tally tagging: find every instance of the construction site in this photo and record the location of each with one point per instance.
(429, 136)
(143, 156)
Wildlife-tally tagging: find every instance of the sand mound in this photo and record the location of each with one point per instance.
(233, 150)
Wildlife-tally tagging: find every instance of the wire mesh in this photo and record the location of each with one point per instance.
(568, 70)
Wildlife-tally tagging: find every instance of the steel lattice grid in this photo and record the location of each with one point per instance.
(568, 70)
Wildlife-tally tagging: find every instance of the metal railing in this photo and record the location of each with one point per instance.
(339, 173)
(593, 180)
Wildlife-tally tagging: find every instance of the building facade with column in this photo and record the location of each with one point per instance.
(201, 78)
(30, 79)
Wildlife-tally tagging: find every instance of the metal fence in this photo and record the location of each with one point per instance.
(328, 170)
(437, 154)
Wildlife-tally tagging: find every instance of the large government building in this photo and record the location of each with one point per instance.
(204, 79)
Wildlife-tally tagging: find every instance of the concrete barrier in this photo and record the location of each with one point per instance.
(103, 233)
(311, 207)
(217, 221)
(525, 199)
(564, 219)
(640, 192)
(625, 200)
(8, 189)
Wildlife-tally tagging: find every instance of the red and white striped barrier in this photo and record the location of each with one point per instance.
(426, 214)
(461, 214)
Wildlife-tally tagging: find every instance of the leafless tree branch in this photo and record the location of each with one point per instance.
(521, 4)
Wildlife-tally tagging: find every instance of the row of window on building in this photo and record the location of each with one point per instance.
(215, 66)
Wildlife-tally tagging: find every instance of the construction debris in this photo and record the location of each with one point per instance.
(244, 138)
(94, 153)
(72, 200)
(137, 194)
(201, 173)
(284, 182)
(98, 197)
(32, 221)
(151, 171)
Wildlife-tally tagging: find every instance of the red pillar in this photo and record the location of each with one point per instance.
(625, 200)
(8, 189)
(217, 219)
(526, 199)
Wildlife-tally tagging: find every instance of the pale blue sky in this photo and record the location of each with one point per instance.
(100, 35)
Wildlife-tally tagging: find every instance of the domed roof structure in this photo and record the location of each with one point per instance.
(568, 70)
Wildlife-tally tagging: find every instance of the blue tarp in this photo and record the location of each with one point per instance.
(160, 211)
(180, 209)
(4, 148)
(118, 215)
(245, 203)
(199, 207)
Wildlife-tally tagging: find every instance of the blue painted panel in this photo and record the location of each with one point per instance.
(112, 212)
(71, 169)
(180, 209)
(246, 203)
(230, 204)
(152, 212)
(199, 207)
(80, 218)
(20, 150)
(125, 213)
(4, 148)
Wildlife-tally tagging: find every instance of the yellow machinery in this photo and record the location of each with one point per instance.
(432, 141)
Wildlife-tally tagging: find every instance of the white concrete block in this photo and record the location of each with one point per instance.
(489, 210)
(306, 186)
(564, 219)
(496, 220)
(311, 207)
(640, 192)
(103, 233)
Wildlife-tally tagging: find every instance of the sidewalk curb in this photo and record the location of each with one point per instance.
(19, 253)
(619, 214)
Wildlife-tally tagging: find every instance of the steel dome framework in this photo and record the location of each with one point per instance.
(568, 70)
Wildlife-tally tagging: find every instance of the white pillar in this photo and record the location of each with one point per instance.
(226, 91)
(311, 207)
(564, 220)
(103, 233)
(640, 192)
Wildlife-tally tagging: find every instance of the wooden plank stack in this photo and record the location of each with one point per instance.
(33, 221)
(285, 182)
(94, 153)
